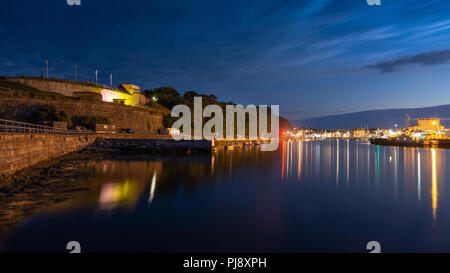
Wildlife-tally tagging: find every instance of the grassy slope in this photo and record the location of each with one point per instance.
(17, 90)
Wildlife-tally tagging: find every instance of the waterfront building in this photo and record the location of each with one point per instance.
(358, 133)
(430, 128)
(427, 124)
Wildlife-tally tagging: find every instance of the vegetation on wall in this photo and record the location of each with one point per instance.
(48, 113)
(90, 121)
(154, 107)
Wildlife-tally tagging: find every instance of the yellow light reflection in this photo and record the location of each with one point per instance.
(282, 162)
(418, 176)
(299, 160)
(348, 162)
(337, 162)
(434, 190)
(288, 157)
(213, 163)
(113, 194)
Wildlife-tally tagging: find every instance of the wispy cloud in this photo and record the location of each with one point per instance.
(428, 58)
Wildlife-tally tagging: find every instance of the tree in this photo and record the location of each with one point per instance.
(48, 113)
(189, 95)
(148, 93)
(166, 91)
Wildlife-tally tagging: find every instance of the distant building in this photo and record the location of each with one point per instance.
(430, 128)
(358, 133)
(427, 125)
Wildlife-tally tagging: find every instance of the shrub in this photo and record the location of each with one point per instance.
(90, 121)
(49, 113)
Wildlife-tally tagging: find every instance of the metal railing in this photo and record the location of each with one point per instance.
(11, 126)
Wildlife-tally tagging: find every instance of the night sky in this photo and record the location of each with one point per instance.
(313, 58)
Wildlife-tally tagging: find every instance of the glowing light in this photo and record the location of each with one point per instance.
(111, 95)
(113, 194)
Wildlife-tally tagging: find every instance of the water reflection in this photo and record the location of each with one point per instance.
(152, 189)
(434, 189)
(391, 167)
(307, 196)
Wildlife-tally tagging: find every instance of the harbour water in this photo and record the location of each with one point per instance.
(309, 196)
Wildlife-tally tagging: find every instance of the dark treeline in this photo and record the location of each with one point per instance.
(169, 97)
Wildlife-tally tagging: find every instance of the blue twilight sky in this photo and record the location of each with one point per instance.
(313, 57)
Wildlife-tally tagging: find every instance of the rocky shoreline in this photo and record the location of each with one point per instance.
(151, 146)
(27, 191)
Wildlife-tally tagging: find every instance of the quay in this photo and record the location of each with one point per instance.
(24, 145)
(426, 143)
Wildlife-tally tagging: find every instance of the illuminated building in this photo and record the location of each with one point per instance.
(358, 133)
(130, 88)
(427, 125)
(127, 94)
(430, 128)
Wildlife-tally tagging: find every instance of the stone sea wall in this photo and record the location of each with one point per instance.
(18, 151)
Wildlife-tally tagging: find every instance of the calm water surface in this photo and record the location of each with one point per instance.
(310, 196)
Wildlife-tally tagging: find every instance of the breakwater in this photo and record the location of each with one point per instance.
(434, 143)
(153, 146)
